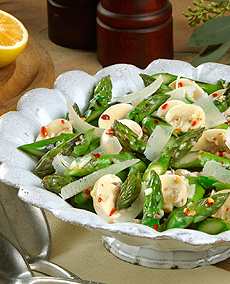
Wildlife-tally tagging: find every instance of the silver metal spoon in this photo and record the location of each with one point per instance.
(14, 268)
(27, 227)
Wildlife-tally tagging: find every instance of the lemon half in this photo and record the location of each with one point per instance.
(13, 38)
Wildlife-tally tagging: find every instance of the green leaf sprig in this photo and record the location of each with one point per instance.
(205, 13)
(214, 35)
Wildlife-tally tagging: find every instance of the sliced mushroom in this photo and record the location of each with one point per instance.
(104, 194)
(55, 128)
(108, 134)
(183, 83)
(162, 110)
(174, 190)
(213, 141)
(224, 211)
(117, 111)
(186, 117)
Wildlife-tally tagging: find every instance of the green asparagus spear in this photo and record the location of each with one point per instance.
(196, 160)
(149, 123)
(195, 213)
(44, 166)
(150, 79)
(39, 148)
(212, 226)
(131, 186)
(55, 182)
(93, 162)
(153, 202)
(76, 108)
(83, 197)
(82, 141)
(129, 190)
(94, 143)
(208, 88)
(223, 102)
(174, 151)
(167, 77)
(101, 97)
(210, 183)
(147, 107)
(88, 164)
(130, 140)
(199, 189)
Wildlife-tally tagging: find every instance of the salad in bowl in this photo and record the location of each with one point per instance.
(139, 156)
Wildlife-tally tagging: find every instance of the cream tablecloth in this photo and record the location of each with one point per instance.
(82, 252)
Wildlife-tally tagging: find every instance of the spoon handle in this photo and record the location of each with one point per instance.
(49, 280)
(51, 269)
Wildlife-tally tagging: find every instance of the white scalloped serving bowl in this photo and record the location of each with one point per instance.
(136, 243)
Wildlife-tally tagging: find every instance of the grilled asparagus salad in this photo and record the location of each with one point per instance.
(159, 156)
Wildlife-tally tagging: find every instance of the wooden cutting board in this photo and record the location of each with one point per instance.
(34, 68)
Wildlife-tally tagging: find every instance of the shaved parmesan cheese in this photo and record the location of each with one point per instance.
(61, 163)
(182, 93)
(213, 117)
(80, 124)
(157, 141)
(111, 146)
(227, 138)
(88, 181)
(216, 170)
(136, 98)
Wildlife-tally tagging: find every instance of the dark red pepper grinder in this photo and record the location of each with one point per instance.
(134, 31)
(72, 23)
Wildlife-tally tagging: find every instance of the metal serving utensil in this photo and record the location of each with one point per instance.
(27, 227)
(14, 268)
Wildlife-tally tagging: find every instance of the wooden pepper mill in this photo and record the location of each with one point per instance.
(72, 23)
(134, 31)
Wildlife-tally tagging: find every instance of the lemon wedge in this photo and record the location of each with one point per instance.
(13, 38)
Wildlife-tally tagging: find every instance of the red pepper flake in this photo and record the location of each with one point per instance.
(220, 154)
(125, 138)
(155, 216)
(210, 201)
(144, 129)
(227, 209)
(99, 199)
(105, 117)
(214, 139)
(109, 131)
(220, 133)
(44, 131)
(83, 118)
(221, 162)
(97, 155)
(156, 121)
(164, 106)
(228, 122)
(155, 226)
(186, 211)
(96, 166)
(193, 123)
(87, 192)
(63, 121)
(214, 95)
(180, 84)
(111, 212)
